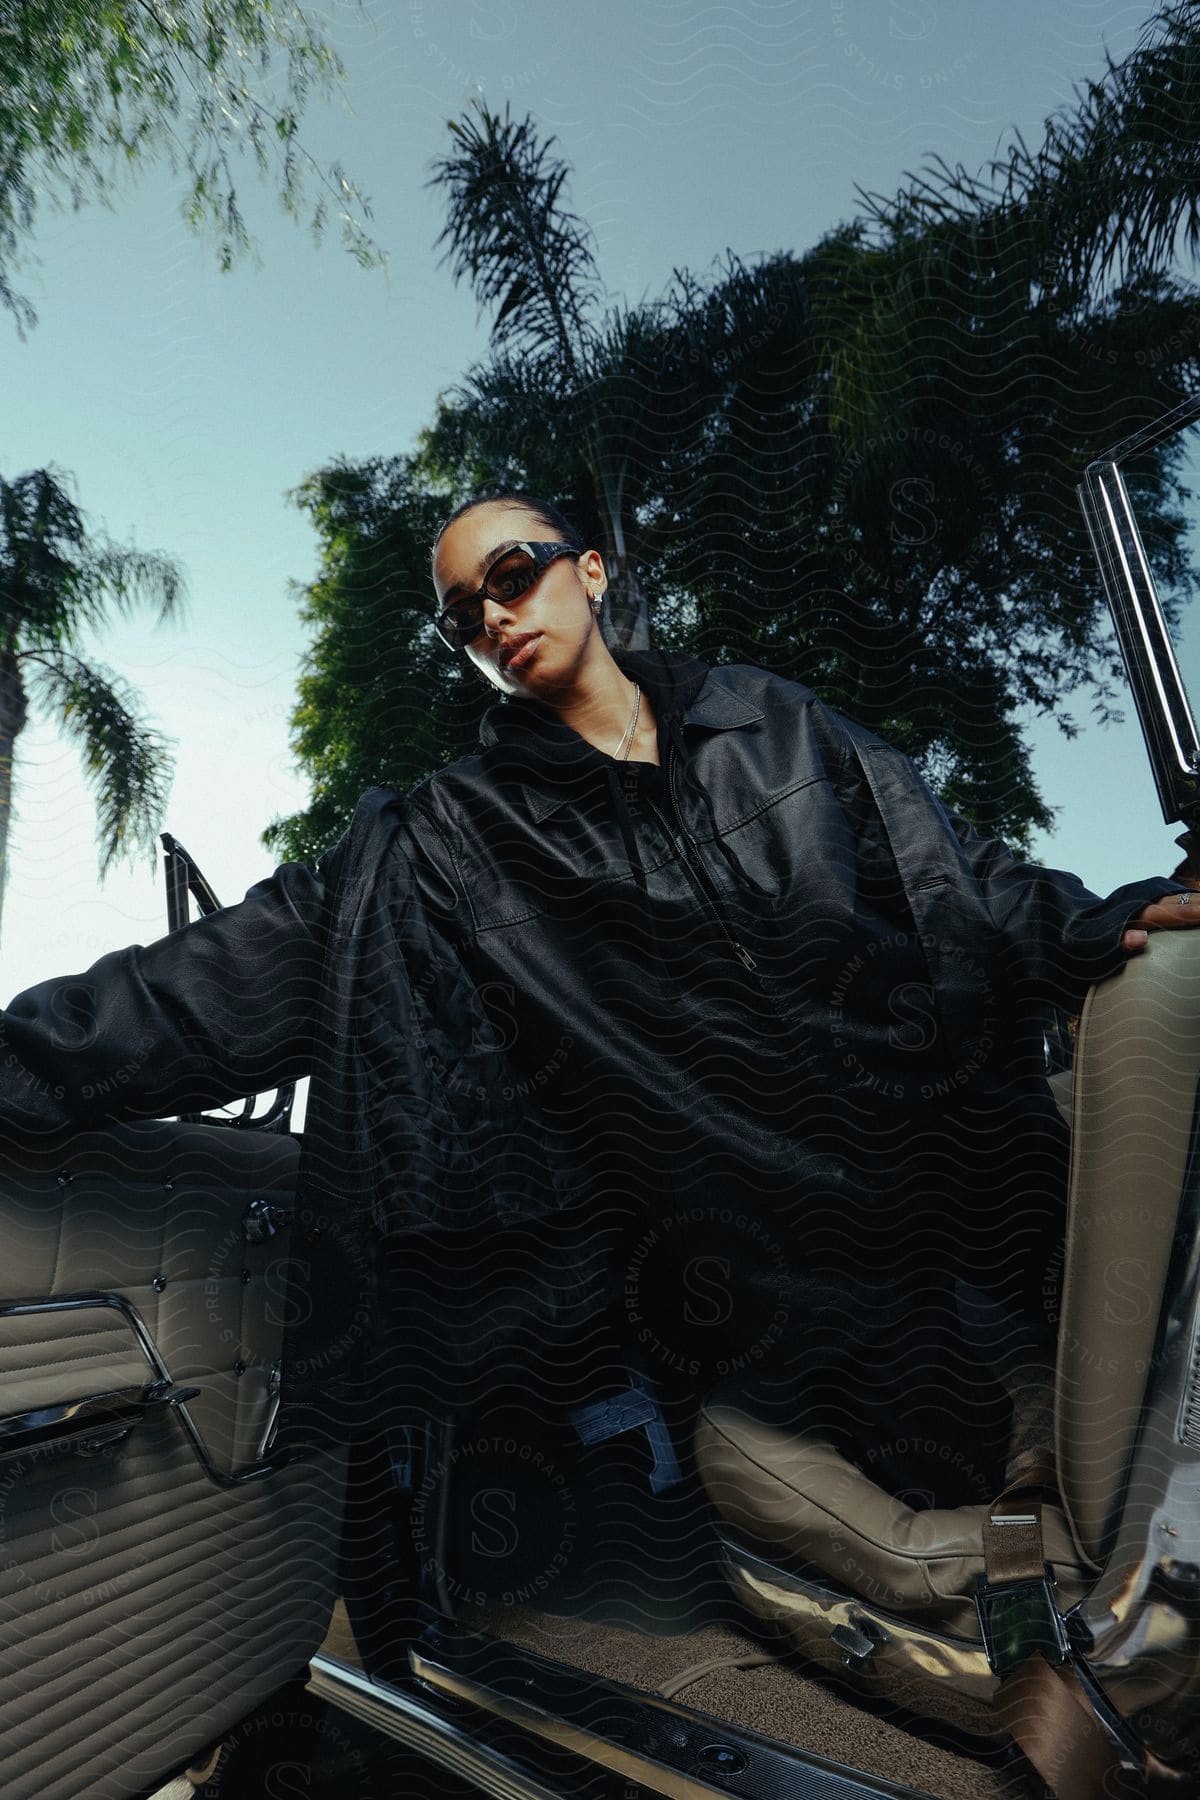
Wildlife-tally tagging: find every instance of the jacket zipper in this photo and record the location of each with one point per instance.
(700, 878)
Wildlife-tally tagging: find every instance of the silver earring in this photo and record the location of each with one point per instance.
(597, 601)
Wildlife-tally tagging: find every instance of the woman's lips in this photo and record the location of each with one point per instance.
(524, 654)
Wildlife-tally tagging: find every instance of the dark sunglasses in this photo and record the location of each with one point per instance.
(511, 575)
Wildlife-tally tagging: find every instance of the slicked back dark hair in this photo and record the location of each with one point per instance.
(545, 510)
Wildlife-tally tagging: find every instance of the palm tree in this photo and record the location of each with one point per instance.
(57, 580)
(1027, 317)
(593, 387)
(1111, 194)
(855, 465)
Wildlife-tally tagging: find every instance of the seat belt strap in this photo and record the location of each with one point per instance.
(1048, 1715)
(1042, 1700)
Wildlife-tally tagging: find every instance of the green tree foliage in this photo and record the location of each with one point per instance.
(380, 697)
(92, 88)
(58, 581)
(855, 466)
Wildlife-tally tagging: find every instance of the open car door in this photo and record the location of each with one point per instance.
(162, 1569)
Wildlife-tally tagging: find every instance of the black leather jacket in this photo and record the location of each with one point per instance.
(526, 991)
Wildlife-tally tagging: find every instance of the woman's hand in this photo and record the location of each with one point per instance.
(1169, 914)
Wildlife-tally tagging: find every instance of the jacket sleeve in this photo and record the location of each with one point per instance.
(1056, 937)
(1061, 935)
(224, 1007)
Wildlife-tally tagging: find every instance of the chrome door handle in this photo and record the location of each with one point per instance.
(161, 1390)
(86, 1426)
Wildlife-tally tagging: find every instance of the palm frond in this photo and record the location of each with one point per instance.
(127, 762)
(126, 578)
(510, 236)
(57, 576)
(500, 425)
(1112, 191)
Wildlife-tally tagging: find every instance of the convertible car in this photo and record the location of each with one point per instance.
(603, 1591)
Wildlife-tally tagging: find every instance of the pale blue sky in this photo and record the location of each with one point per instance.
(186, 403)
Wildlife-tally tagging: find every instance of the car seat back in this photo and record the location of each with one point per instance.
(1137, 1064)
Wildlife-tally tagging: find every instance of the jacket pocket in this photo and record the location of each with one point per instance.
(549, 871)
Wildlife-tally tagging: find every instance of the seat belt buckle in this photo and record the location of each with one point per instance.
(1017, 1618)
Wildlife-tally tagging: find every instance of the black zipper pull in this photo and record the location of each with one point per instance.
(743, 955)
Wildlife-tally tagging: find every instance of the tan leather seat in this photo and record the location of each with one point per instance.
(804, 1504)
(795, 1501)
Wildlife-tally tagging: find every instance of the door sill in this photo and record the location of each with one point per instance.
(663, 1747)
(411, 1720)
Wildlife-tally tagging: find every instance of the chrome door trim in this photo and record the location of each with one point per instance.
(223, 1478)
(1164, 711)
(411, 1721)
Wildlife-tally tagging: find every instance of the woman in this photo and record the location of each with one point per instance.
(681, 1011)
(811, 1002)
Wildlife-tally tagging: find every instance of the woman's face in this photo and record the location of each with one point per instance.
(546, 630)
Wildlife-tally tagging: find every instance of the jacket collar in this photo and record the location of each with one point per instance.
(548, 760)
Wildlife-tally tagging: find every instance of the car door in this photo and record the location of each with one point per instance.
(162, 1569)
